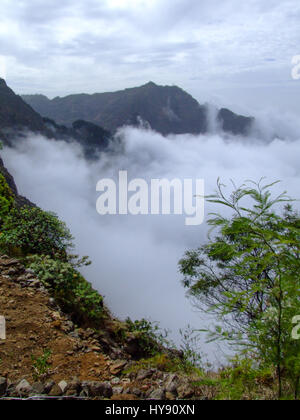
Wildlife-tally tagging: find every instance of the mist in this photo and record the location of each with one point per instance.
(135, 258)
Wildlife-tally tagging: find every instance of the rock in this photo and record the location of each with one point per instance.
(52, 302)
(184, 392)
(38, 388)
(170, 396)
(118, 390)
(99, 389)
(115, 381)
(55, 391)
(137, 392)
(115, 353)
(144, 374)
(23, 389)
(3, 386)
(73, 388)
(63, 386)
(49, 386)
(84, 393)
(68, 327)
(157, 394)
(172, 383)
(118, 367)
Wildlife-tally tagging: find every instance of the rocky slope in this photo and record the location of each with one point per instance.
(167, 109)
(81, 362)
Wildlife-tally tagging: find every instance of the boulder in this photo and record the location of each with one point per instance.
(63, 386)
(117, 368)
(158, 394)
(99, 389)
(185, 392)
(24, 389)
(55, 391)
(172, 383)
(38, 388)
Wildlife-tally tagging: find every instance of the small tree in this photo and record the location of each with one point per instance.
(34, 231)
(248, 275)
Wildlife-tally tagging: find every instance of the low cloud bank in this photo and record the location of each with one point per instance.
(135, 257)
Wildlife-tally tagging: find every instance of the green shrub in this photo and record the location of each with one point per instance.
(160, 361)
(34, 231)
(149, 334)
(6, 198)
(41, 365)
(71, 291)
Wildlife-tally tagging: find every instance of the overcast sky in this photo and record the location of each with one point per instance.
(231, 52)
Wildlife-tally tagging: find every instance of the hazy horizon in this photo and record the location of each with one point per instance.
(231, 54)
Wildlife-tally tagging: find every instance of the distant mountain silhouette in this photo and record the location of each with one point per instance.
(166, 109)
(80, 118)
(17, 118)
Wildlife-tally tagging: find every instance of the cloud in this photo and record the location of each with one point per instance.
(58, 48)
(135, 258)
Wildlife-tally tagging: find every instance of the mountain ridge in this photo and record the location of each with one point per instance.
(167, 109)
(15, 114)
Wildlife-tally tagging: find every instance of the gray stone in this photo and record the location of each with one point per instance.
(185, 392)
(137, 392)
(73, 388)
(118, 390)
(144, 374)
(55, 391)
(24, 388)
(158, 394)
(171, 384)
(49, 386)
(38, 388)
(63, 386)
(99, 389)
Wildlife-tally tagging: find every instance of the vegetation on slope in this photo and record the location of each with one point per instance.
(43, 242)
(248, 276)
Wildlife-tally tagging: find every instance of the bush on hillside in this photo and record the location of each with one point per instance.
(34, 231)
(6, 198)
(69, 288)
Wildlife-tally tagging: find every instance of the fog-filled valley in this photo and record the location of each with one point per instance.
(135, 258)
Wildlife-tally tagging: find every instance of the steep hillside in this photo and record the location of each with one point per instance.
(167, 109)
(15, 114)
(61, 340)
(20, 201)
(45, 353)
(17, 118)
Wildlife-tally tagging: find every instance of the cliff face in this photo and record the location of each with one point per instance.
(167, 109)
(20, 201)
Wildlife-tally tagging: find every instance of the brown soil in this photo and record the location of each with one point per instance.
(30, 330)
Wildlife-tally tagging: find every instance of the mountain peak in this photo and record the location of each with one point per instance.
(150, 84)
(3, 82)
(167, 109)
